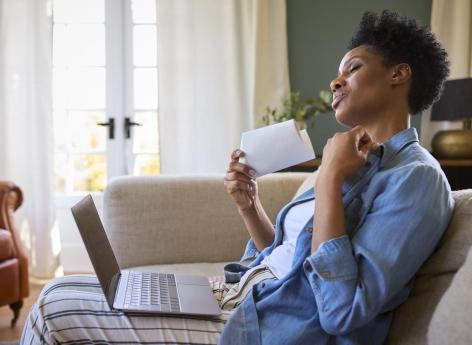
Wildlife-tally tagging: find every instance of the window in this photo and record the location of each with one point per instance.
(105, 93)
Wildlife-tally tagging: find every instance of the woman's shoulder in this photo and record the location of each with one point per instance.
(413, 157)
(415, 163)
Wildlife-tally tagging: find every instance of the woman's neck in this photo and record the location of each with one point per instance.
(387, 126)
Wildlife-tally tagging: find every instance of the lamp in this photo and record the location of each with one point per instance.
(455, 104)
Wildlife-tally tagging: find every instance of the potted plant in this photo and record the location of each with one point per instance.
(304, 112)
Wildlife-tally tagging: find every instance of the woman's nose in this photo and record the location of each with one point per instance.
(337, 84)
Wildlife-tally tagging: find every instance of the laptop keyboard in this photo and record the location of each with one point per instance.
(152, 290)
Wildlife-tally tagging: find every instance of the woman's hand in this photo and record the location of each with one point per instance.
(240, 182)
(345, 153)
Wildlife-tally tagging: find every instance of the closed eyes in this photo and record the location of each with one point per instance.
(354, 68)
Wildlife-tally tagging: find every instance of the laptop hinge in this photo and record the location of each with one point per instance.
(120, 295)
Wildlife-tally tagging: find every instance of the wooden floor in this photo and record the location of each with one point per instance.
(6, 332)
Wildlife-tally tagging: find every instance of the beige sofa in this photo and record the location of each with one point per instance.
(189, 225)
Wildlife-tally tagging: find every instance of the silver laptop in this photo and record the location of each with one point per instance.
(134, 291)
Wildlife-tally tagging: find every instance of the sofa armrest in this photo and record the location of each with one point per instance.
(176, 219)
(11, 198)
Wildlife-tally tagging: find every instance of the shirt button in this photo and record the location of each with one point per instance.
(309, 229)
(308, 267)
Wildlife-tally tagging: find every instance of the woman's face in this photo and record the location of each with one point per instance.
(362, 89)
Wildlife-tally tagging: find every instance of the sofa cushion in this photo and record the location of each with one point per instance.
(451, 319)
(411, 320)
(308, 183)
(177, 219)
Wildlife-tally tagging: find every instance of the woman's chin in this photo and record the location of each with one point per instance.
(344, 119)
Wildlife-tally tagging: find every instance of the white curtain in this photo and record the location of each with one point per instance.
(26, 124)
(221, 62)
(451, 22)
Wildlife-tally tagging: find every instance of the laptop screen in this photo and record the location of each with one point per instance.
(98, 247)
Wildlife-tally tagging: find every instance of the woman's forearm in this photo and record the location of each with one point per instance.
(328, 220)
(258, 225)
(343, 155)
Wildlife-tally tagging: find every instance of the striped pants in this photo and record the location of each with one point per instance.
(73, 310)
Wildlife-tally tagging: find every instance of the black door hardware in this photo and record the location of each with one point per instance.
(111, 127)
(128, 125)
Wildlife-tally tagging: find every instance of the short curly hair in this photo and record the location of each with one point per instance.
(400, 40)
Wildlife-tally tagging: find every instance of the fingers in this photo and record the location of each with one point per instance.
(357, 135)
(235, 166)
(364, 150)
(364, 140)
(237, 176)
(236, 154)
(237, 186)
(361, 136)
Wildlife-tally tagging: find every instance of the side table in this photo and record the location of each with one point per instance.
(458, 172)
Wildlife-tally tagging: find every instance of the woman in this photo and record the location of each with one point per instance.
(346, 261)
(330, 271)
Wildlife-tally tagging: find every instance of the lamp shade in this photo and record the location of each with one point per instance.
(455, 102)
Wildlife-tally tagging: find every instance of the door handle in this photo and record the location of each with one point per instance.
(128, 125)
(111, 127)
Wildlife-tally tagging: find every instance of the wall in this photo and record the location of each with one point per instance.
(318, 33)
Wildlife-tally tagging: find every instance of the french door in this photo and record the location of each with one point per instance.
(105, 103)
(105, 92)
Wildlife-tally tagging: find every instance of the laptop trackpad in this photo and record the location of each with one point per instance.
(197, 299)
(191, 280)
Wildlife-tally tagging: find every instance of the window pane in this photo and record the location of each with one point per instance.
(144, 11)
(61, 137)
(61, 172)
(79, 11)
(146, 136)
(85, 134)
(86, 88)
(145, 45)
(86, 44)
(60, 45)
(59, 88)
(145, 88)
(146, 165)
(89, 172)
(79, 45)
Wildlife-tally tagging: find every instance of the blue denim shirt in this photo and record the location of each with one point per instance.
(397, 207)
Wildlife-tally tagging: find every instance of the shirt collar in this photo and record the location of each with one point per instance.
(385, 152)
(396, 143)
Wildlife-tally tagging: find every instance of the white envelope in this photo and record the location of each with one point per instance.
(272, 148)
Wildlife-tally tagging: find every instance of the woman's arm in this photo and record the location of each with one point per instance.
(343, 155)
(258, 225)
(242, 187)
(355, 279)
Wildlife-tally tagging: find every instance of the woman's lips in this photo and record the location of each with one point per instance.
(338, 99)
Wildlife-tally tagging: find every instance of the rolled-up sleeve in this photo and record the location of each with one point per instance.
(250, 251)
(354, 278)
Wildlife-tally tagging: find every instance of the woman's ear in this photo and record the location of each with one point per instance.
(401, 73)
